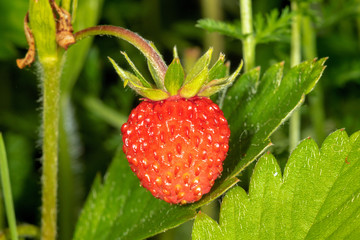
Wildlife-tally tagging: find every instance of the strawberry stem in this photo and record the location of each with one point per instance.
(51, 90)
(50, 57)
(140, 43)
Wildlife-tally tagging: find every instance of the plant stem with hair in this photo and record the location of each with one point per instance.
(43, 26)
(51, 95)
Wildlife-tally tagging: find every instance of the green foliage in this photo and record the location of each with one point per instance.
(334, 12)
(274, 27)
(228, 29)
(316, 198)
(89, 128)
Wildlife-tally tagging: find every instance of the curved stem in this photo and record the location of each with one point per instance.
(144, 46)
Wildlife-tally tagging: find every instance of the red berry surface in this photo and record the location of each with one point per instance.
(176, 147)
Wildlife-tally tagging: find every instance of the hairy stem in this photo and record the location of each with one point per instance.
(51, 92)
(127, 35)
(247, 29)
(295, 58)
(6, 187)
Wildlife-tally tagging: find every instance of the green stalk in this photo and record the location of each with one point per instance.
(6, 186)
(295, 58)
(51, 93)
(247, 29)
(316, 98)
(43, 27)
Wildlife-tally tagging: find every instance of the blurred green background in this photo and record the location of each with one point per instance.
(96, 103)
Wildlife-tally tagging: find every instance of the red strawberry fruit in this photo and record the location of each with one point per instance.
(176, 139)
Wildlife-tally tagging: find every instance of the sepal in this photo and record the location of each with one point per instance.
(174, 77)
(191, 88)
(199, 66)
(136, 71)
(219, 69)
(125, 75)
(135, 83)
(217, 85)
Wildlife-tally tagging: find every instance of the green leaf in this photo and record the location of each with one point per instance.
(174, 77)
(19, 152)
(121, 209)
(274, 28)
(227, 29)
(206, 228)
(317, 198)
(268, 104)
(199, 66)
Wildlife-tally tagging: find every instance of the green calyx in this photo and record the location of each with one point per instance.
(199, 81)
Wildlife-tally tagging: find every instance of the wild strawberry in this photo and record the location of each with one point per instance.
(176, 139)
